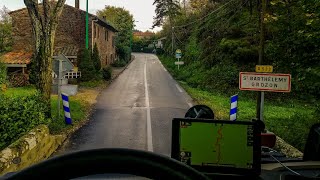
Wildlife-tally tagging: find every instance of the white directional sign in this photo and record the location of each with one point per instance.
(179, 63)
(250, 81)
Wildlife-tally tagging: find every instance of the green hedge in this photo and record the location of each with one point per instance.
(88, 72)
(124, 53)
(19, 115)
(107, 73)
(3, 73)
(119, 63)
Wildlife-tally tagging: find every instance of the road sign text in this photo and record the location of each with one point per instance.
(265, 82)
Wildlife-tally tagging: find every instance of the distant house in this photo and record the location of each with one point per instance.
(70, 37)
(160, 43)
(143, 35)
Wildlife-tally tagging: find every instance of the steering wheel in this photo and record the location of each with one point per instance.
(102, 161)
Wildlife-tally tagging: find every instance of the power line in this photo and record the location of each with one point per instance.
(225, 20)
(221, 7)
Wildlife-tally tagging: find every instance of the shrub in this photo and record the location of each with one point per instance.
(96, 58)
(19, 115)
(87, 69)
(107, 73)
(124, 53)
(119, 63)
(3, 73)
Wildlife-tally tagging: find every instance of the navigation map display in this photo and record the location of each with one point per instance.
(209, 143)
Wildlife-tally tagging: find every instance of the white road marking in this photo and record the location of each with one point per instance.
(179, 88)
(149, 129)
(190, 104)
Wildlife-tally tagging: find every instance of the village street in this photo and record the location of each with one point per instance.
(135, 111)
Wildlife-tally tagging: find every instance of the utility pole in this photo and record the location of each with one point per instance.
(184, 6)
(172, 39)
(260, 98)
(87, 26)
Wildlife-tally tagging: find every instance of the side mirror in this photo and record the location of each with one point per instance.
(312, 148)
(200, 111)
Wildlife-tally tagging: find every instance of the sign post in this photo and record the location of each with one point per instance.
(261, 82)
(61, 65)
(251, 81)
(178, 56)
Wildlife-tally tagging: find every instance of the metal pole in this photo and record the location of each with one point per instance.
(59, 86)
(260, 98)
(87, 26)
(172, 40)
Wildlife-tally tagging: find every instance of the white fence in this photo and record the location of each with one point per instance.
(69, 75)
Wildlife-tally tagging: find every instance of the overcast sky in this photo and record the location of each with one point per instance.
(142, 10)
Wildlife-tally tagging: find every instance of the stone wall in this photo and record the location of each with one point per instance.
(104, 40)
(70, 33)
(34, 147)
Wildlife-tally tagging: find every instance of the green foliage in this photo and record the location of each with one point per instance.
(164, 9)
(3, 74)
(86, 67)
(226, 42)
(119, 63)
(107, 73)
(5, 30)
(96, 58)
(290, 122)
(122, 20)
(124, 53)
(78, 113)
(18, 115)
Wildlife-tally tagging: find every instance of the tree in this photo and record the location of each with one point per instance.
(96, 58)
(122, 20)
(5, 30)
(165, 9)
(44, 24)
(86, 66)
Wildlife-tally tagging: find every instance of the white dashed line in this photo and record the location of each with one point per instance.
(149, 129)
(179, 88)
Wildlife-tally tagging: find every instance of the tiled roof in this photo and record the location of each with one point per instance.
(101, 21)
(143, 34)
(16, 58)
(67, 51)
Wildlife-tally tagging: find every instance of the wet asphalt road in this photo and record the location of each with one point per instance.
(135, 111)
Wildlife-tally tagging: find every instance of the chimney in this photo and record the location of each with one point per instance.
(77, 4)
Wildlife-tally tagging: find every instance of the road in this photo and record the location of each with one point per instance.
(135, 111)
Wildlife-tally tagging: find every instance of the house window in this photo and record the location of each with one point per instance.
(106, 35)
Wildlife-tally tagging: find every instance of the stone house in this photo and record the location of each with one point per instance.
(70, 37)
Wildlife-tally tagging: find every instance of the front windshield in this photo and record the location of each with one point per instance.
(113, 74)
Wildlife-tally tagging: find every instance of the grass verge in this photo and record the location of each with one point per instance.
(289, 119)
(79, 105)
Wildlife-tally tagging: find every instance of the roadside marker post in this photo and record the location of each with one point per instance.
(178, 56)
(234, 107)
(66, 108)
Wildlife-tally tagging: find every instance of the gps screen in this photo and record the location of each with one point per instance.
(216, 144)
